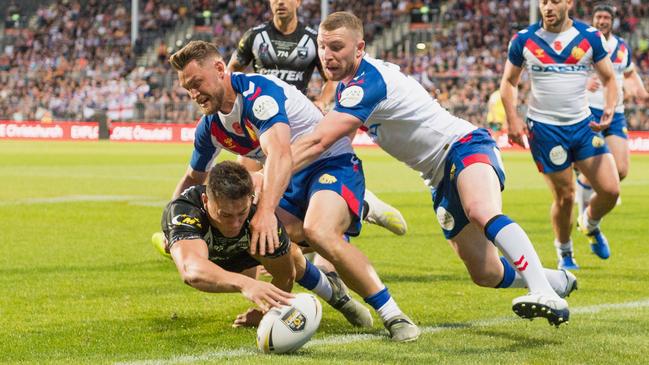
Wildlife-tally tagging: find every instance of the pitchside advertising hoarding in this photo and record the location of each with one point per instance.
(184, 133)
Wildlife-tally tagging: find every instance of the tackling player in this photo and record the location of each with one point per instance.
(460, 163)
(558, 53)
(257, 116)
(286, 48)
(208, 235)
(616, 135)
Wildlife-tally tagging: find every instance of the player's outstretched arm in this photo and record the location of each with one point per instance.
(604, 69)
(276, 144)
(334, 126)
(191, 178)
(509, 94)
(196, 270)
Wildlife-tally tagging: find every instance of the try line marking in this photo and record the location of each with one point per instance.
(345, 339)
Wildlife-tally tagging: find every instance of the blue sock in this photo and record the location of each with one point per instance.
(508, 276)
(311, 276)
(379, 299)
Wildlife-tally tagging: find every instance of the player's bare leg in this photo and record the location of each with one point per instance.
(483, 208)
(562, 186)
(601, 173)
(327, 218)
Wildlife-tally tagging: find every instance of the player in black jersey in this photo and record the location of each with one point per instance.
(287, 49)
(206, 231)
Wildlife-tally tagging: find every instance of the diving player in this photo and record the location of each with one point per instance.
(558, 53)
(208, 235)
(257, 116)
(460, 163)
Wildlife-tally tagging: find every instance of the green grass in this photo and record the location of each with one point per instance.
(80, 283)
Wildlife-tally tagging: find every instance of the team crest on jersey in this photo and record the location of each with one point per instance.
(598, 142)
(327, 179)
(351, 96)
(186, 220)
(620, 55)
(265, 107)
(625, 130)
(302, 52)
(539, 53)
(558, 155)
(452, 172)
(577, 53)
(445, 219)
(558, 45)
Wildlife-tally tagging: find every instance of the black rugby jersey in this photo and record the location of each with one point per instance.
(292, 58)
(184, 219)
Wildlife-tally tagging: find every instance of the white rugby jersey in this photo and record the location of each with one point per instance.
(401, 117)
(620, 55)
(262, 101)
(559, 66)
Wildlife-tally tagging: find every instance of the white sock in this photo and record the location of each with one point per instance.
(589, 223)
(389, 310)
(562, 248)
(513, 242)
(556, 278)
(582, 196)
(323, 289)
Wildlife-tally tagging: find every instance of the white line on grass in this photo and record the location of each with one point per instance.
(346, 339)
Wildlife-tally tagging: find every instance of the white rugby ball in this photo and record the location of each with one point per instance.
(288, 328)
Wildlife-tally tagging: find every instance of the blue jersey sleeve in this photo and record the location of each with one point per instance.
(515, 53)
(264, 100)
(598, 42)
(204, 150)
(361, 96)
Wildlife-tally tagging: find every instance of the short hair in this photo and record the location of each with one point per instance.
(194, 50)
(605, 6)
(342, 19)
(229, 180)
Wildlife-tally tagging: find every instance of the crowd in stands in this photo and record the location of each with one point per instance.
(73, 57)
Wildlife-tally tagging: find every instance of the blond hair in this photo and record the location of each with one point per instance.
(343, 19)
(194, 50)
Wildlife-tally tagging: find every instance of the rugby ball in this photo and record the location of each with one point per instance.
(289, 327)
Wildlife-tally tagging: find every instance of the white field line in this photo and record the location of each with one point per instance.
(131, 199)
(346, 339)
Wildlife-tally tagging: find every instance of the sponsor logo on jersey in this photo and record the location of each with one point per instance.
(294, 320)
(445, 219)
(560, 68)
(286, 75)
(598, 142)
(625, 130)
(620, 56)
(265, 107)
(577, 53)
(302, 52)
(558, 155)
(327, 179)
(186, 220)
(351, 96)
(539, 53)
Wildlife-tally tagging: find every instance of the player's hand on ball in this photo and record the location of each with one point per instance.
(264, 238)
(265, 295)
(249, 318)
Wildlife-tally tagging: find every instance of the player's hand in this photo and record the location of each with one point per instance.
(263, 236)
(517, 131)
(249, 318)
(265, 295)
(604, 121)
(593, 83)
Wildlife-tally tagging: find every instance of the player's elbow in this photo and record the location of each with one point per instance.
(192, 275)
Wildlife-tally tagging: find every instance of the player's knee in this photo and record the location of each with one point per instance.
(484, 278)
(623, 171)
(480, 212)
(565, 198)
(325, 243)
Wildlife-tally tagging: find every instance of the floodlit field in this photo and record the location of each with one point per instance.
(80, 282)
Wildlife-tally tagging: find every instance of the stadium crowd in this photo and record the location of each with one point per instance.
(71, 58)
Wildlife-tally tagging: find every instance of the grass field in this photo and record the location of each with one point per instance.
(80, 283)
